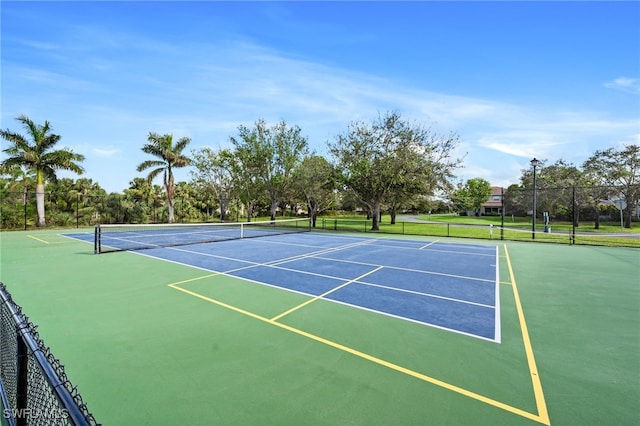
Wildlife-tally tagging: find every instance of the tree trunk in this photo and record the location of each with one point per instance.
(313, 213)
(627, 218)
(223, 209)
(597, 221)
(40, 205)
(274, 208)
(170, 188)
(393, 213)
(250, 207)
(170, 206)
(375, 216)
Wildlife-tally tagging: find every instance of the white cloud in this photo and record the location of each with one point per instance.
(106, 152)
(206, 91)
(625, 84)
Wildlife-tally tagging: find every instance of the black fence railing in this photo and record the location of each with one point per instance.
(19, 210)
(604, 216)
(34, 387)
(575, 215)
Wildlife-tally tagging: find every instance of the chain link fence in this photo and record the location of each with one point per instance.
(598, 215)
(576, 215)
(18, 210)
(34, 387)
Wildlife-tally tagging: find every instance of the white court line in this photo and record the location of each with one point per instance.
(498, 328)
(407, 269)
(427, 245)
(272, 263)
(275, 264)
(415, 321)
(419, 293)
(318, 255)
(381, 243)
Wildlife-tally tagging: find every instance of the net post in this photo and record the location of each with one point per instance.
(242, 230)
(96, 239)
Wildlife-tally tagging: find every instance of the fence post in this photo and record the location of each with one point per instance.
(572, 239)
(25, 208)
(22, 379)
(502, 214)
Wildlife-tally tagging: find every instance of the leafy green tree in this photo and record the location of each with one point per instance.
(472, 195)
(269, 155)
(595, 191)
(170, 157)
(516, 200)
(187, 196)
(243, 172)
(621, 168)
(90, 194)
(427, 167)
(36, 152)
(61, 202)
(142, 194)
(315, 181)
(555, 194)
(213, 175)
(459, 197)
(14, 191)
(392, 157)
(142, 189)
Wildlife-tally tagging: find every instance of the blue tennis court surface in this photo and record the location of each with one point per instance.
(450, 286)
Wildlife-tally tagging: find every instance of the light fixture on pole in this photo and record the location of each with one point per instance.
(534, 163)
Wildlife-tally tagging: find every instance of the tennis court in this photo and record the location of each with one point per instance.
(321, 328)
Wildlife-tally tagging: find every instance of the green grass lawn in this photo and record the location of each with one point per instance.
(516, 229)
(525, 222)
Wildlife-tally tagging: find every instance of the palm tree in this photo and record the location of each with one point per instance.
(34, 152)
(170, 157)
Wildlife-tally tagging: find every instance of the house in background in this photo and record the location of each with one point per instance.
(493, 206)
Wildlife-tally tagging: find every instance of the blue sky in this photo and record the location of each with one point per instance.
(554, 80)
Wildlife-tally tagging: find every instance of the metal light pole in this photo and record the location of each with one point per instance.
(535, 163)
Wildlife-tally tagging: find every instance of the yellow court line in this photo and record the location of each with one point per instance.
(295, 308)
(371, 358)
(194, 279)
(533, 369)
(38, 239)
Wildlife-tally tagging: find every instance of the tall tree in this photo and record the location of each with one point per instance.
(472, 195)
(170, 157)
(14, 203)
(555, 195)
(36, 152)
(315, 180)
(213, 175)
(388, 157)
(620, 168)
(271, 153)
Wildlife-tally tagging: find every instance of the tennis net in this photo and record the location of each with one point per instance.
(122, 237)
